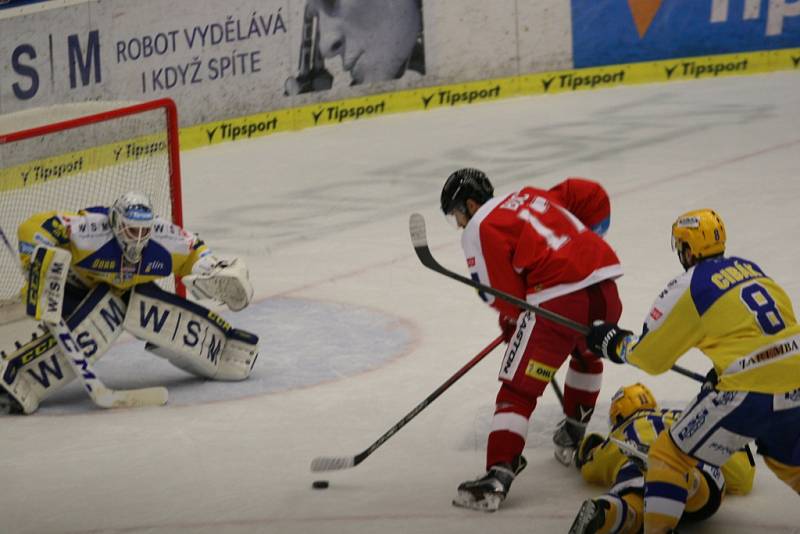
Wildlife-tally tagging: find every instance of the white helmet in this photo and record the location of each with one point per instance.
(132, 222)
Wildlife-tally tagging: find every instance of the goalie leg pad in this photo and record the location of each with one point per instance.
(235, 363)
(37, 370)
(18, 386)
(239, 356)
(190, 336)
(47, 278)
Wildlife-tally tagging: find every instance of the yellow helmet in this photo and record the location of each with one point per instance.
(628, 400)
(702, 231)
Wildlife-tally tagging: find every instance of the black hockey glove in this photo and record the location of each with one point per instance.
(586, 449)
(604, 340)
(710, 383)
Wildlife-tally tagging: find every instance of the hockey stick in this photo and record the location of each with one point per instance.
(630, 449)
(557, 391)
(7, 243)
(332, 463)
(419, 238)
(100, 394)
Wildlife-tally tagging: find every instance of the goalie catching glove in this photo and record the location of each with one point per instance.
(227, 281)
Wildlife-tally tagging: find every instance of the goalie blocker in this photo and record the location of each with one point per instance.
(47, 279)
(187, 334)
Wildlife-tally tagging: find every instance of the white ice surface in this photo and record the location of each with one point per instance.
(322, 215)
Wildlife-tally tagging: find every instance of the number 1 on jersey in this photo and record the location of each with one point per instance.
(540, 205)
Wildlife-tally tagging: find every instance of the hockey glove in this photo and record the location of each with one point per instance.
(508, 325)
(586, 449)
(604, 339)
(710, 383)
(225, 280)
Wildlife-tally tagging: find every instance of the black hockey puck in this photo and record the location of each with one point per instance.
(320, 484)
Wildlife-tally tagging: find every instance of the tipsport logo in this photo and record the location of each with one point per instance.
(337, 113)
(694, 69)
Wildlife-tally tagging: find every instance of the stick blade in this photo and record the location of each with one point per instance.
(416, 227)
(132, 398)
(332, 463)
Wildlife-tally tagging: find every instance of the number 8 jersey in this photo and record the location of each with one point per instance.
(535, 244)
(733, 312)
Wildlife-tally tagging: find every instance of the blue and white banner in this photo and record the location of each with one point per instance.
(610, 32)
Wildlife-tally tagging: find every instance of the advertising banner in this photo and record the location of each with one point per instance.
(246, 68)
(221, 60)
(609, 32)
(215, 59)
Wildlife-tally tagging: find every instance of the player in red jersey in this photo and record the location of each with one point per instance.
(538, 245)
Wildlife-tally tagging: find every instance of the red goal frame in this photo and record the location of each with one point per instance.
(173, 135)
(173, 148)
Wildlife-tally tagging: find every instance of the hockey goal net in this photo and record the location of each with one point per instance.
(82, 158)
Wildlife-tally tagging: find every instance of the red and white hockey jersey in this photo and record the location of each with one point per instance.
(535, 244)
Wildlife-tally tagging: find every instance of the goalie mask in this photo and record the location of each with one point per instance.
(697, 235)
(628, 400)
(132, 223)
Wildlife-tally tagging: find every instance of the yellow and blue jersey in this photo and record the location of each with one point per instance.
(736, 315)
(96, 254)
(609, 466)
(640, 429)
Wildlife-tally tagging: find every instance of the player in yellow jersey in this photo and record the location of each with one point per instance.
(743, 321)
(619, 462)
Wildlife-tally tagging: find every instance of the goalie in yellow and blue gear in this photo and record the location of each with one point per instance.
(619, 462)
(95, 269)
(744, 322)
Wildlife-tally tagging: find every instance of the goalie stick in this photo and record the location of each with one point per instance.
(419, 239)
(100, 394)
(333, 463)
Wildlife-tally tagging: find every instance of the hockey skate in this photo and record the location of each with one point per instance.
(567, 438)
(590, 518)
(487, 492)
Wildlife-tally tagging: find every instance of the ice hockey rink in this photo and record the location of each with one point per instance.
(356, 332)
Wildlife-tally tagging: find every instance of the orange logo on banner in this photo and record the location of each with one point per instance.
(643, 11)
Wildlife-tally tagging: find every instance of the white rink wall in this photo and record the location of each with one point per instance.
(226, 59)
(237, 58)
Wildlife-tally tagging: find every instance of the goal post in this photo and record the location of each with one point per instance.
(87, 159)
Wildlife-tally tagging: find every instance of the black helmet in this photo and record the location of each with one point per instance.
(463, 184)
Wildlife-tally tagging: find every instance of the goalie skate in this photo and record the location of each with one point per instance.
(489, 491)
